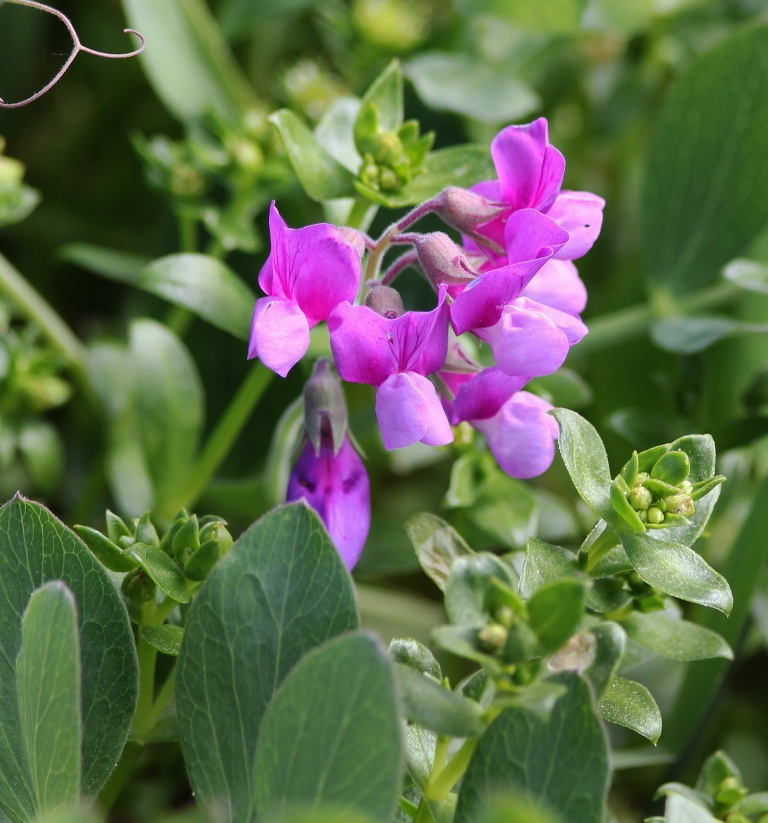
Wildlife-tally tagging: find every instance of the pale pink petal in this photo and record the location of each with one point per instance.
(581, 215)
(521, 436)
(279, 334)
(362, 344)
(337, 487)
(483, 395)
(526, 343)
(557, 284)
(530, 235)
(530, 170)
(409, 411)
(571, 326)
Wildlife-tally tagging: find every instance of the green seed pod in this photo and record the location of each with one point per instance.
(730, 792)
(672, 467)
(217, 531)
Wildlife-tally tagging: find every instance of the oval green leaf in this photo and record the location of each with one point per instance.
(630, 704)
(675, 639)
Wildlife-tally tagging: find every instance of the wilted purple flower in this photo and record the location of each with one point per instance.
(308, 273)
(337, 488)
(520, 433)
(396, 355)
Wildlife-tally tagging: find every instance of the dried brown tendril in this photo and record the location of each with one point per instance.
(77, 47)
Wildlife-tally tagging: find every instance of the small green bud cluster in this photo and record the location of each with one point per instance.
(390, 159)
(187, 551)
(654, 489)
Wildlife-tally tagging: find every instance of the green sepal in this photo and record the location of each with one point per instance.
(672, 467)
(187, 537)
(108, 554)
(201, 563)
(647, 459)
(623, 507)
(630, 470)
(145, 531)
(660, 488)
(116, 527)
(704, 487)
(366, 128)
(162, 570)
(670, 521)
(166, 542)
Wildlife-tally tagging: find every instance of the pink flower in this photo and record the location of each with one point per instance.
(530, 175)
(337, 488)
(520, 433)
(396, 355)
(308, 273)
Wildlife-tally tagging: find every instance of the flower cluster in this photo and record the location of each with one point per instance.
(511, 284)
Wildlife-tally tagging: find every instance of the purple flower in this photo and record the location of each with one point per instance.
(337, 488)
(532, 339)
(531, 239)
(396, 355)
(308, 273)
(520, 433)
(557, 284)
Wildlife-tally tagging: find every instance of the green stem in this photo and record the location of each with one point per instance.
(163, 698)
(440, 784)
(635, 321)
(114, 785)
(604, 543)
(147, 659)
(224, 435)
(358, 215)
(21, 292)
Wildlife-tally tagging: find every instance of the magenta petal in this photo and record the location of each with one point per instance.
(530, 170)
(337, 487)
(361, 344)
(279, 334)
(581, 215)
(526, 343)
(557, 284)
(314, 266)
(530, 235)
(420, 338)
(409, 411)
(522, 435)
(483, 395)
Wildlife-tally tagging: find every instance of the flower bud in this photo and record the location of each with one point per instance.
(640, 498)
(442, 260)
(388, 149)
(325, 410)
(389, 179)
(465, 210)
(385, 301)
(201, 562)
(672, 467)
(730, 792)
(680, 504)
(493, 637)
(655, 515)
(138, 587)
(336, 485)
(217, 530)
(186, 539)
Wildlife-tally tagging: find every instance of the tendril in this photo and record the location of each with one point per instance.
(77, 47)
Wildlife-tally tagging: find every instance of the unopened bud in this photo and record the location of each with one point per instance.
(505, 616)
(672, 467)
(138, 587)
(325, 410)
(655, 516)
(640, 498)
(388, 149)
(186, 539)
(680, 504)
(730, 792)
(200, 564)
(493, 636)
(389, 179)
(217, 531)
(385, 301)
(465, 210)
(442, 260)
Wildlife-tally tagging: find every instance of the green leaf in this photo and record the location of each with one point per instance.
(555, 612)
(611, 642)
(688, 335)
(748, 274)
(187, 60)
(545, 563)
(415, 655)
(385, 97)
(17, 202)
(434, 707)
(326, 814)
(563, 388)
(110, 555)
(438, 545)
(166, 639)
(630, 704)
(322, 177)
(587, 463)
(282, 590)
(561, 763)
(202, 284)
(161, 569)
(756, 803)
(49, 695)
(239, 17)
(335, 130)
(703, 201)
(454, 166)
(469, 588)
(675, 639)
(419, 752)
(506, 508)
(680, 809)
(168, 394)
(450, 81)
(700, 449)
(677, 570)
(36, 548)
(331, 733)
